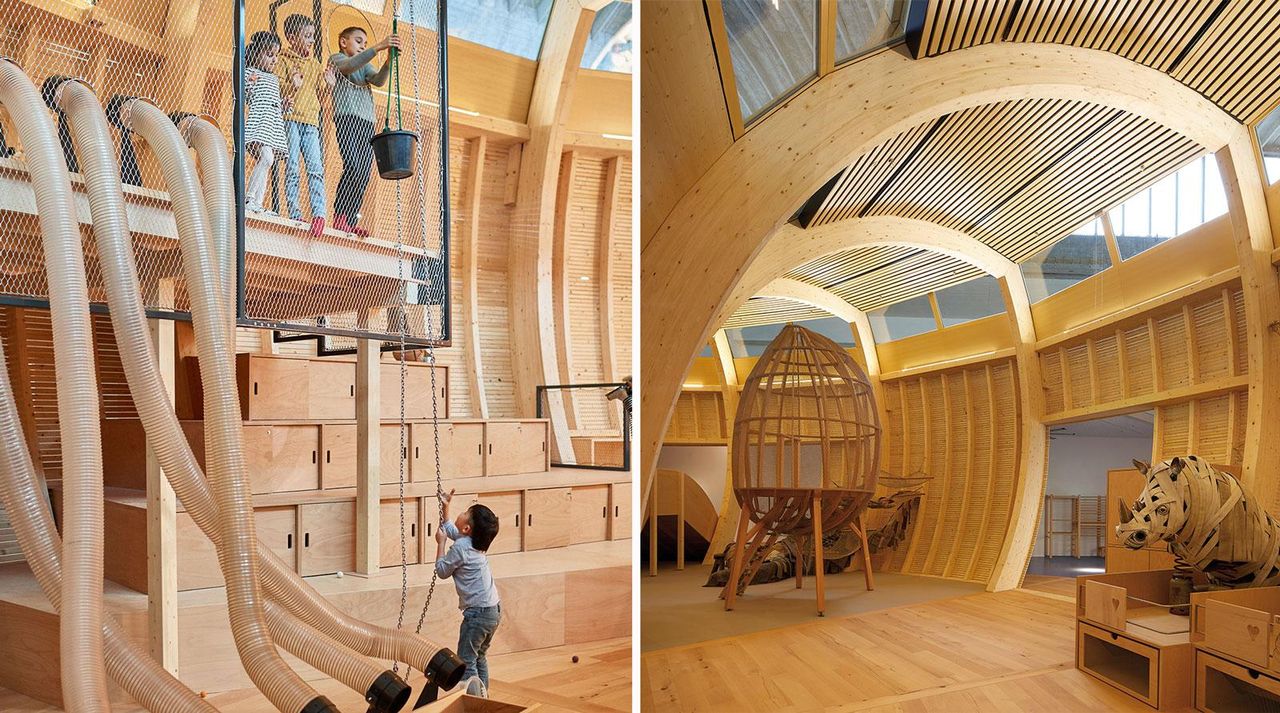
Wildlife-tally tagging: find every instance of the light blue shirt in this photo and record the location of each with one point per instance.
(469, 568)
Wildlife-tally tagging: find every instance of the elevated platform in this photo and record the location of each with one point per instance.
(551, 598)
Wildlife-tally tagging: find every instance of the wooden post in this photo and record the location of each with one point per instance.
(368, 449)
(735, 566)
(680, 522)
(868, 575)
(817, 553)
(653, 531)
(162, 513)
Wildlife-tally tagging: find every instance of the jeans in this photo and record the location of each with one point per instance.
(354, 133)
(258, 179)
(478, 625)
(304, 144)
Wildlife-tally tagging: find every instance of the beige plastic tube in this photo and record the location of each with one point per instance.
(219, 200)
(92, 137)
(281, 581)
(137, 673)
(84, 680)
(223, 443)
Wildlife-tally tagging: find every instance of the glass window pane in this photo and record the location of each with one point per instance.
(707, 351)
(1269, 142)
(970, 300)
(1064, 263)
(904, 319)
(751, 341)
(512, 26)
(774, 48)
(609, 44)
(866, 24)
(1183, 200)
(833, 328)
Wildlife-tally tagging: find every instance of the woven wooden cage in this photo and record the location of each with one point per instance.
(806, 425)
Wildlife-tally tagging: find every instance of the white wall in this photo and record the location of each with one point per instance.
(1078, 465)
(705, 464)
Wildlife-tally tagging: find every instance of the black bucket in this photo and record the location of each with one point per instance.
(395, 150)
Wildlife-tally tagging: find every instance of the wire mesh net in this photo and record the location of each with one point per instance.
(598, 424)
(317, 85)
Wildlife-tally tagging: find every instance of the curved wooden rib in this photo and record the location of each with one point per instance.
(606, 275)
(470, 270)
(691, 262)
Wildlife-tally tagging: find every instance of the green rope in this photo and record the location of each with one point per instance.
(394, 60)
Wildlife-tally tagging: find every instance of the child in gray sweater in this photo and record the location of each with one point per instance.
(468, 564)
(353, 117)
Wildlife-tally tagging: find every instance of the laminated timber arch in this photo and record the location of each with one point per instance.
(706, 245)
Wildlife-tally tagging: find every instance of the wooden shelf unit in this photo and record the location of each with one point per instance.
(1223, 686)
(1126, 484)
(1125, 639)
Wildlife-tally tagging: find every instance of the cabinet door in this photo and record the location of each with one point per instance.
(328, 534)
(513, 447)
(1121, 484)
(590, 514)
(508, 506)
(389, 447)
(338, 456)
(547, 516)
(332, 390)
(273, 388)
(1123, 559)
(198, 566)
(429, 517)
(282, 458)
(278, 530)
(391, 532)
(417, 391)
(461, 450)
(620, 504)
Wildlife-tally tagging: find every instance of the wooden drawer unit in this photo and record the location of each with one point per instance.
(331, 390)
(1240, 624)
(390, 521)
(620, 505)
(392, 452)
(461, 450)
(327, 532)
(198, 566)
(590, 514)
(513, 447)
(1225, 687)
(273, 388)
(1117, 660)
(429, 509)
(509, 507)
(282, 458)
(337, 456)
(278, 529)
(547, 518)
(417, 390)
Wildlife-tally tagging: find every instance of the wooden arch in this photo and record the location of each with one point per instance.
(704, 248)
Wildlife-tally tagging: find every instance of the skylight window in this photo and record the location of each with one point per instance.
(969, 300)
(863, 25)
(1183, 200)
(773, 45)
(512, 26)
(904, 319)
(609, 45)
(1068, 261)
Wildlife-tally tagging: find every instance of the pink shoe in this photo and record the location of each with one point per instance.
(341, 225)
(317, 227)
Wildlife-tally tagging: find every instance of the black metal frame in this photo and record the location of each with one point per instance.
(238, 174)
(626, 423)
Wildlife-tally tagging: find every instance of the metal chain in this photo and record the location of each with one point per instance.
(404, 556)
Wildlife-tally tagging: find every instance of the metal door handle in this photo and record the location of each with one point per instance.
(290, 541)
(306, 539)
(413, 529)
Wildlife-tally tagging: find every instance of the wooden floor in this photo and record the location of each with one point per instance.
(1007, 651)
(599, 683)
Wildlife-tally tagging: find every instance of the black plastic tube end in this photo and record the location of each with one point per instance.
(446, 669)
(388, 694)
(320, 704)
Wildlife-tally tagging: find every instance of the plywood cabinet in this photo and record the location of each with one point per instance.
(338, 456)
(282, 458)
(548, 513)
(328, 535)
(515, 447)
(391, 532)
(589, 514)
(198, 566)
(417, 390)
(273, 388)
(429, 509)
(278, 530)
(332, 390)
(461, 450)
(620, 505)
(508, 506)
(391, 453)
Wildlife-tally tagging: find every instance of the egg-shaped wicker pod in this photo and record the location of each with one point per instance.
(806, 426)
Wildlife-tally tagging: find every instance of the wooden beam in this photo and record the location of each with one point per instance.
(162, 511)
(470, 257)
(695, 254)
(561, 279)
(1141, 403)
(605, 273)
(1109, 234)
(826, 36)
(720, 39)
(512, 183)
(1251, 230)
(532, 305)
(993, 440)
(729, 509)
(368, 457)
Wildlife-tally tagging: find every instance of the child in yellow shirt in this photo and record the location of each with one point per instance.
(300, 83)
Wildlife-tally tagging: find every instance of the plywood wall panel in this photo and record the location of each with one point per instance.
(583, 227)
(622, 244)
(492, 272)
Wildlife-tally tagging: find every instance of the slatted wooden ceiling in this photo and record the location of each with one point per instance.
(870, 278)
(1213, 46)
(770, 310)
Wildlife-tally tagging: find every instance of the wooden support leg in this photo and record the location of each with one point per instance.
(653, 530)
(866, 556)
(735, 567)
(799, 570)
(680, 526)
(818, 564)
(162, 516)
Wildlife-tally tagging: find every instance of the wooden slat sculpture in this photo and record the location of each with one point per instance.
(1211, 522)
(806, 452)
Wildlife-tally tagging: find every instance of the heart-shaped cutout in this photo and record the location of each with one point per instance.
(1253, 632)
(1115, 604)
